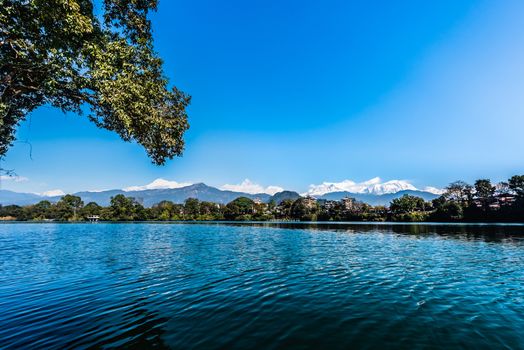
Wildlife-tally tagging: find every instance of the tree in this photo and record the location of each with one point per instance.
(283, 210)
(502, 188)
(12, 212)
(191, 208)
(124, 208)
(241, 208)
(516, 184)
(484, 192)
(407, 204)
(91, 209)
(460, 192)
(446, 210)
(42, 210)
(60, 53)
(166, 210)
(304, 209)
(68, 206)
(408, 208)
(210, 211)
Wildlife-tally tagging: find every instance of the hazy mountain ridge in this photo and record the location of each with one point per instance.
(202, 192)
(282, 196)
(146, 197)
(10, 197)
(149, 198)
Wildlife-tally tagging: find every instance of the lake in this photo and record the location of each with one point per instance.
(265, 286)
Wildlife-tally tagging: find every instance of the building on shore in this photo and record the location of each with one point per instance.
(93, 218)
(309, 202)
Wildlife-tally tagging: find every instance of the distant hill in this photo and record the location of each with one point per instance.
(378, 199)
(202, 192)
(284, 195)
(148, 198)
(199, 191)
(10, 197)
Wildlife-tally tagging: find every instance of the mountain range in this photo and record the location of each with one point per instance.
(204, 192)
(373, 186)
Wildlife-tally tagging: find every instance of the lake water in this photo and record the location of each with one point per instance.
(266, 286)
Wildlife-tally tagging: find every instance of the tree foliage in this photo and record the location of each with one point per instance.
(240, 208)
(61, 53)
(408, 208)
(407, 204)
(303, 210)
(516, 184)
(459, 191)
(124, 208)
(192, 208)
(67, 207)
(484, 192)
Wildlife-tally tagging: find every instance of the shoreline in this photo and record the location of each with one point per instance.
(269, 223)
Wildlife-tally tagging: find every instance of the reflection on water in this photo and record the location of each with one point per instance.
(486, 232)
(261, 285)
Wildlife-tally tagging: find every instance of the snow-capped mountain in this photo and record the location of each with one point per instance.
(373, 186)
(373, 192)
(392, 186)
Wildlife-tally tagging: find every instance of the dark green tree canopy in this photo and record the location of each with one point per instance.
(61, 53)
(484, 190)
(407, 204)
(516, 184)
(125, 208)
(68, 207)
(238, 207)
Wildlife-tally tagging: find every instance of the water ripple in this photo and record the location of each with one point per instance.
(260, 286)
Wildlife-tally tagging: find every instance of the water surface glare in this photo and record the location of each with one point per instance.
(266, 286)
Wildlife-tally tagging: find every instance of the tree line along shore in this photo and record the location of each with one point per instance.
(461, 202)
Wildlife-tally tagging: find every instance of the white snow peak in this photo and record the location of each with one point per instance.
(53, 193)
(372, 186)
(157, 185)
(434, 190)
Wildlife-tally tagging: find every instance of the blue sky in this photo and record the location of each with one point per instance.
(294, 93)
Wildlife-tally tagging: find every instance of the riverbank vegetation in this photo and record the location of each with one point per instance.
(461, 202)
